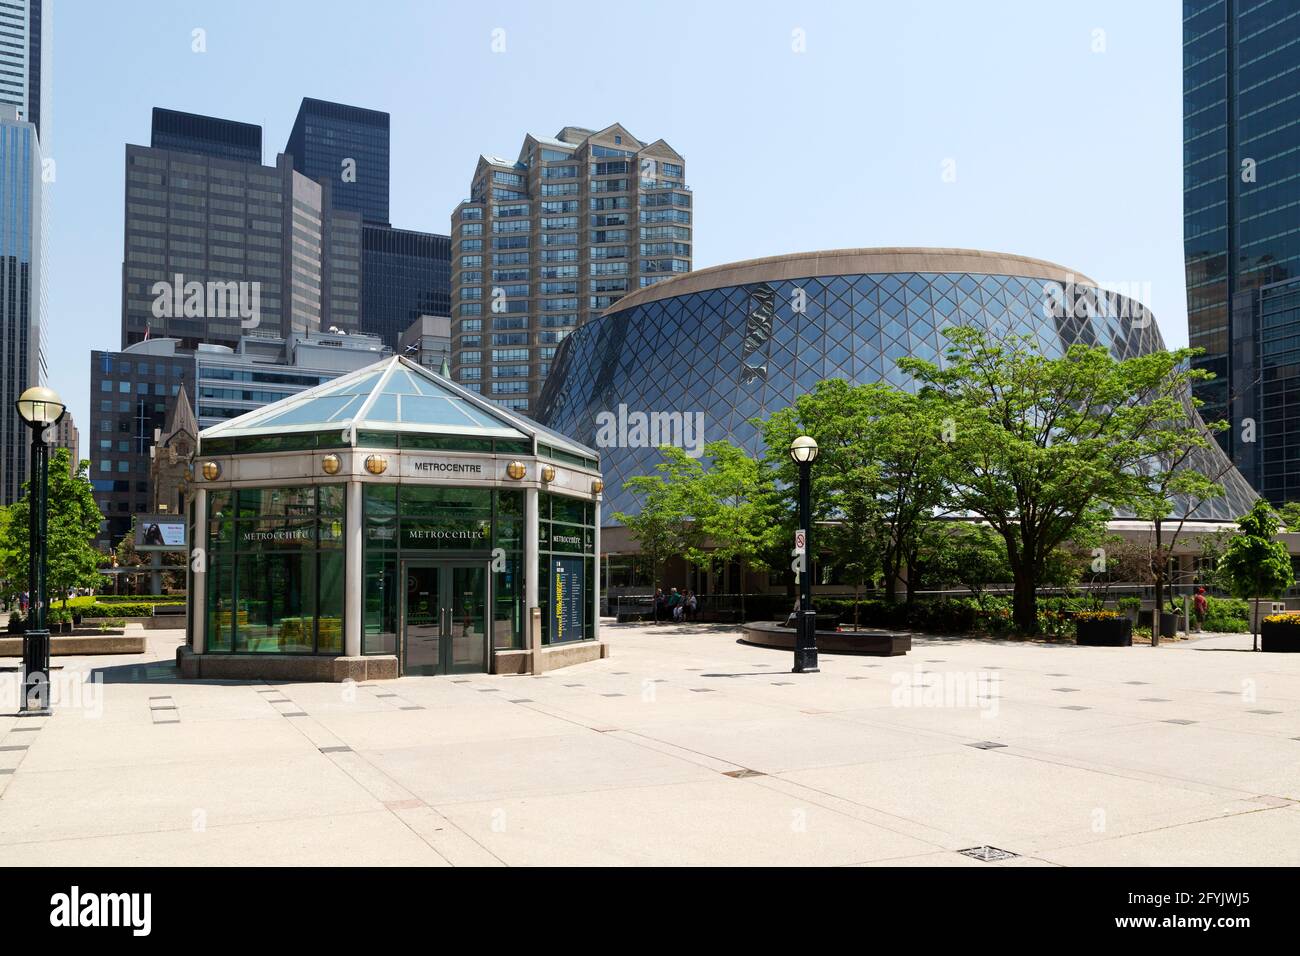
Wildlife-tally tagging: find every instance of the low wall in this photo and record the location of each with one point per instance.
(67, 646)
(561, 655)
(875, 643)
(305, 667)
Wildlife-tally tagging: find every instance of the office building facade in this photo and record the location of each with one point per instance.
(25, 61)
(1241, 155)
(550, 240)
(68, 437)
(427, 342)
(216, 247)
(404, 275)
(183, 132)
(130, 394)
(347, 147)
(22, 290)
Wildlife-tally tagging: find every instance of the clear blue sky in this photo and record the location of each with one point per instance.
(1060, 152)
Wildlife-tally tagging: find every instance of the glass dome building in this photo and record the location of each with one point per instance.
(732, 343)
(390, 522)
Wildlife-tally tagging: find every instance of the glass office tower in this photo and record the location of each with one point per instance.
(22, 290)
(404, 275)
(346, 146)
(1241, 154)
(25, 61)
(192, 133)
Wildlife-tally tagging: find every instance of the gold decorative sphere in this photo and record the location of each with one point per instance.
(331, 464)
(516, 470)
(597, 486)
(548, 472)
(376, 464)
(211, 470)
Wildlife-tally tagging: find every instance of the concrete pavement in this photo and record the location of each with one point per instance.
(683, 747)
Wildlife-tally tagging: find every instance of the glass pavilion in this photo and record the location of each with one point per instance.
(391, 522)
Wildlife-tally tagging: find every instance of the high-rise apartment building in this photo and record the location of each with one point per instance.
(550, 240)
(218, 245)
(22, 289)
(346, 146)
(25, 61)
(1241, 234)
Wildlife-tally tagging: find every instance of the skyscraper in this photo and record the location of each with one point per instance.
(25, 61)
(1241, 234)
(346, 146)
(551, 239)
(404, 273)
(22, 289)
(218, 246)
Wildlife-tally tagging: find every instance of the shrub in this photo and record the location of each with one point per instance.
(1226, 615)
(117, 610)
(1129, 604)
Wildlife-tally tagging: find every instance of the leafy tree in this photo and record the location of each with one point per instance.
(665, 524)
(878, 469)
(1167, 478)
(972, 555)
(1255, 565)
(1042, 448)
(1289, 514)
(71, 525)
(734, 505)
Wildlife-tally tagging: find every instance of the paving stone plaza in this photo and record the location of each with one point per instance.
(683, 747)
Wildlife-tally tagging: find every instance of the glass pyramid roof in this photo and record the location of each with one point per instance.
(394, 394)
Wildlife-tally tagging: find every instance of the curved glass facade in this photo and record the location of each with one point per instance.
(739, 352)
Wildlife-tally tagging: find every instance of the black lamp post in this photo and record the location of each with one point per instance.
(804, 451)
(40, 408)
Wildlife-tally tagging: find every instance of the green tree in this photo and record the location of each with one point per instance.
(1042, 448)
(1254, 565)
(879, 471)
(71, 526)
(1289, 514)
(665, 524)
(1167, 479)
(972, 555)
(734, 505)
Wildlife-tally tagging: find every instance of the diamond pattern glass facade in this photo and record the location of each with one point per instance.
(741, 352)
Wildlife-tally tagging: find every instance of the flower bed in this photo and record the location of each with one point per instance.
(1280, 633)
(1102, 629)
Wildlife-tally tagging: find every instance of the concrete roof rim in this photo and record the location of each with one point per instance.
(808, 265)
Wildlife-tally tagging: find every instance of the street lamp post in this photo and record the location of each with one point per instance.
(40, 408)
(804, 451)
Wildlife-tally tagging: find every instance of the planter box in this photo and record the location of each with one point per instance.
(1279, 638)
(1112, 633)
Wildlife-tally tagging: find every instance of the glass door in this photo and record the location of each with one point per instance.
(465, 597)
(422, 637)
(444, 627)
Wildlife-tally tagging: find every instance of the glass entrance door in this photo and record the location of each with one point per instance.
(422, 645)
(445, 618)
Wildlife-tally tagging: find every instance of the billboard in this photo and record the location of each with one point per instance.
(160, 533)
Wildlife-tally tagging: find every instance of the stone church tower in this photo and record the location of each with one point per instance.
(171, 465)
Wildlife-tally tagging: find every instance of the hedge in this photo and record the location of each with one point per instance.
(1226, 615)
(117, 610)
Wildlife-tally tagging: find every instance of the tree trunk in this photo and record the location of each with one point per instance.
(857, 596)
(1024, 613)
(1254, 626)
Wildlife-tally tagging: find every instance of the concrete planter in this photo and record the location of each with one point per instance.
(1115, 632)
(1279, 638)
(876, 643)
(72, 645)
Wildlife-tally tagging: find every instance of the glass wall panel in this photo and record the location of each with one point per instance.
(380, 597)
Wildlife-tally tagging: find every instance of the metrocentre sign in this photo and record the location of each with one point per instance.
(416, 466)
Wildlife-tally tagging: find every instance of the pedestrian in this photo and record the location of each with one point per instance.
(659, 603)
(691, 604)
(1201, 605)
(675, 604)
